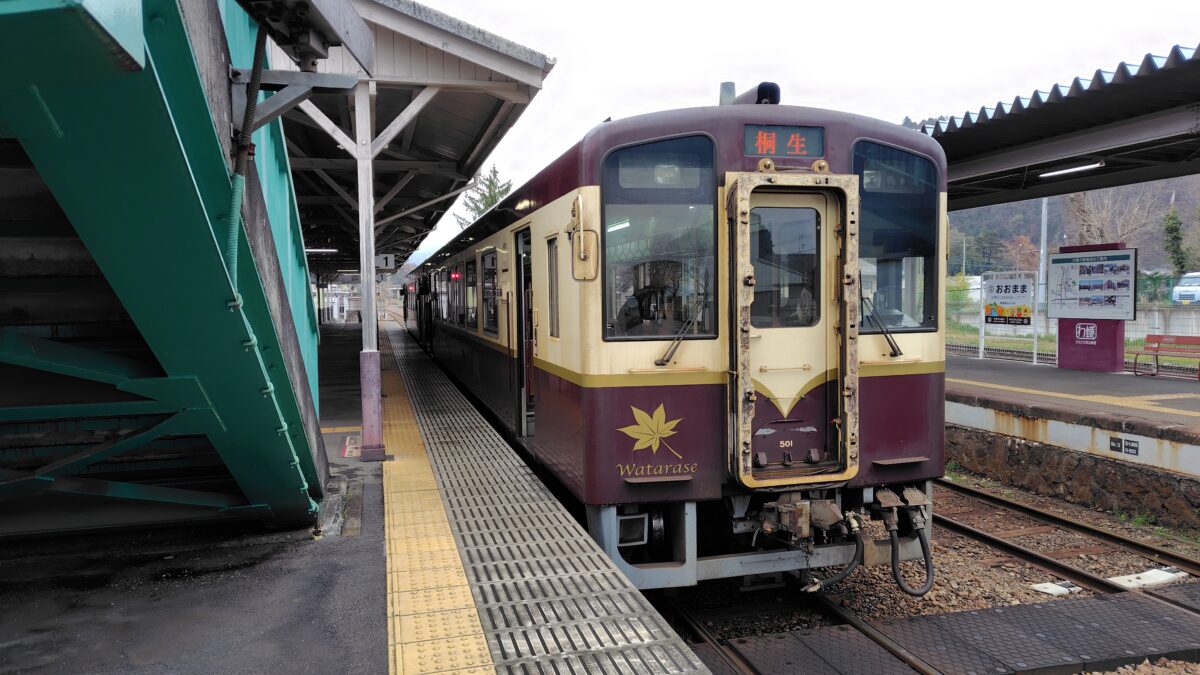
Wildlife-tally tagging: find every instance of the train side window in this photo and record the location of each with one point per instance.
(460, 310)
(491, 322)
(552, 285)
(785, 253)
(444, 296)
(472, 306)
(659, 240)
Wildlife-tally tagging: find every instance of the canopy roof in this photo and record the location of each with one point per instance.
(1137, 122)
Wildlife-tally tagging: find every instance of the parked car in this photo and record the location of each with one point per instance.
(1187, 291)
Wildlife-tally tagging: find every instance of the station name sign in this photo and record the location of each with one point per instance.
(1008, 297)
(772, 140)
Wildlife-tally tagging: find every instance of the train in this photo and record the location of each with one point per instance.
(721, 329)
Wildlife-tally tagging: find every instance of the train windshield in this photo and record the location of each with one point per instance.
(659, 207)
(898, 232)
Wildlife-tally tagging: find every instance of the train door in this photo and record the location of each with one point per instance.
(788, 305)
(526, 336)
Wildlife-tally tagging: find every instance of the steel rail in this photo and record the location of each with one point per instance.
(1189, 565)
(863, 626)
(1082, 577)
(723, 651)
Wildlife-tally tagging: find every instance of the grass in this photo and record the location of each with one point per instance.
(1136, 520)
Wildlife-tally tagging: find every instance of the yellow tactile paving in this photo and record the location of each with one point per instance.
(430, 600)
(433, 626)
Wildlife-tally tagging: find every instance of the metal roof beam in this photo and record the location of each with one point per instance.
(326, 178)
(424, 205)
(387, 165)
(513, 92)
(402, 120)
(1085, 182)
(328, 127)
(1181, 121)
(394, 190)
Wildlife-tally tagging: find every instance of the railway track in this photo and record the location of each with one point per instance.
(728, 660)
(726, 655)
(1082, 577)
(1182, 562)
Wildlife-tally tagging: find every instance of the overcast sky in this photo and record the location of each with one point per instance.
(879, 58)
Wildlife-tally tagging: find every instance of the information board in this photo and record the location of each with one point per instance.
(1093, 285)
(1008, 297)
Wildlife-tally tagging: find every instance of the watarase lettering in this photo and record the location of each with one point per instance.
(641, 470)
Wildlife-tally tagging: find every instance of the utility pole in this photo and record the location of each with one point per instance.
(1040, 296)
(964, 257)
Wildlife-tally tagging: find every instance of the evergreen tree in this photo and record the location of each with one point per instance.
(989, 252)
(488, 192)
(1172, 227)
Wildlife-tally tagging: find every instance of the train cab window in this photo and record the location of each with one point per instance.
(491, 323)
(552, 282)
(472, 304)
(659, 240)
(898, 232)
(783, 248)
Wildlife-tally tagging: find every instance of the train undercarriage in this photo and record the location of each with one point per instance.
(679, 544)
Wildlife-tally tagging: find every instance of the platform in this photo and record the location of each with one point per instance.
(486, 570)
(1083, 635)
(1153, 421)
(1153, 401)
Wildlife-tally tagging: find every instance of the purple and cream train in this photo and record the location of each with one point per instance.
(722, 329)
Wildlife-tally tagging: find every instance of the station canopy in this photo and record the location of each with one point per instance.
(447, 90)
(1138, 122)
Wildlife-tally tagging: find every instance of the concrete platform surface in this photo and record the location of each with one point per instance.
(214, 599)
(1157, 404)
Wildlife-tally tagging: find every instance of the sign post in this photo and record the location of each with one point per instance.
(1092, 291)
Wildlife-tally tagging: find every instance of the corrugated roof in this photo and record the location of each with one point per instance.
(1143, 77)
(1139, 121)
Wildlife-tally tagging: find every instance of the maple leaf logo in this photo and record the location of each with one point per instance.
(651, 430)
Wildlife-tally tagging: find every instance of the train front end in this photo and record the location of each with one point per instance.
(772, 295)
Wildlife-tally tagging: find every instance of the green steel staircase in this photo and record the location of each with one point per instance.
(137, 384)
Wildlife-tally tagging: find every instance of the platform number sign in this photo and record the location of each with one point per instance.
(1127, 446)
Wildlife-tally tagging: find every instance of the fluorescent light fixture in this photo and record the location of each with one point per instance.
(618, 226)
(320, 250)
(354, 271)
(1071, 169)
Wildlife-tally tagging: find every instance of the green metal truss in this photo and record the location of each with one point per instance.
(110, 108)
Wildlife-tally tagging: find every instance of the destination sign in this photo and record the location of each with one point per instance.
(769, 140)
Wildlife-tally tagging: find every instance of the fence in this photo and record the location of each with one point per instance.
(1154, 316)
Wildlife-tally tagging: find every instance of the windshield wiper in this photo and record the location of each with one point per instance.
(679, 334)
(887, 334)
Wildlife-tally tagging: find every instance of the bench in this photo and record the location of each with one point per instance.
(1167, 345)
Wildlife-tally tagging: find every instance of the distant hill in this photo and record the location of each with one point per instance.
(994, 234)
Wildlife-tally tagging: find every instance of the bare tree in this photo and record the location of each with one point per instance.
(1115, 214)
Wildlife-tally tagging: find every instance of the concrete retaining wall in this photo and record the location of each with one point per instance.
(1095, 481)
